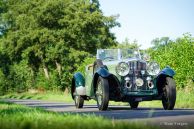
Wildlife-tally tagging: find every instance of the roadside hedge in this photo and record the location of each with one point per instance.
(179, 55)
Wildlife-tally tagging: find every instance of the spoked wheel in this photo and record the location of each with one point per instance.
(169, 94)
(133, 104)
(79, 101)
(102, 93)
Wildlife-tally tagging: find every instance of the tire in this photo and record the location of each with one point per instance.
(102, 93)
(134, 104)
(79, 101)
(169, 94)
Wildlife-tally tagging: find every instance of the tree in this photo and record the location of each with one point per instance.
(126, 44)
(2, 10)
(54, 35)
(160, 42)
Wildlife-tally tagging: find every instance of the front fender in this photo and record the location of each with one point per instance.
(103, 72)
(79, 79)
(78, 84)
(161, 78)
(167, 72)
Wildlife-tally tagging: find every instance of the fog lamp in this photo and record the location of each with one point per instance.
(139, 82)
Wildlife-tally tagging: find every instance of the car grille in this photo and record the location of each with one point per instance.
(137, 65)
(136, 68)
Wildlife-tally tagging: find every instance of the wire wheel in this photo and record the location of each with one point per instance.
(102, 93)
(79, 101)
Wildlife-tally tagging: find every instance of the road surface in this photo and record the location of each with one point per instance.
(177, 118)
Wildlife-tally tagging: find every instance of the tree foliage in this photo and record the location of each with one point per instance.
(52, 35)
(160, 42)
(126, 44)
(178, 55)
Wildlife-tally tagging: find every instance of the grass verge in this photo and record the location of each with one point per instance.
(13, 116)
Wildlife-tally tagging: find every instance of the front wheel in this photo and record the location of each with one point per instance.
(102, 93)
(169, 94)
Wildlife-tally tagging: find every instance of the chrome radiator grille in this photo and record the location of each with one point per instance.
(137, 65)
(136, 68)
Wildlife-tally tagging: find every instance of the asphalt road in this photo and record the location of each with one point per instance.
(177, 118)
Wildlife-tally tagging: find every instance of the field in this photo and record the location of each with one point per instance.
(21, 117)
(185, 99)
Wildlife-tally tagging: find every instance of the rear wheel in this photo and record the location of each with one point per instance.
(133, 104)
(102, 93)
(79, 101)
(169, 94)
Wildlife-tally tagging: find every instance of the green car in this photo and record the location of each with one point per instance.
(124, 75)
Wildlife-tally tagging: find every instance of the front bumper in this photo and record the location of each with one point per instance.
(153, 92)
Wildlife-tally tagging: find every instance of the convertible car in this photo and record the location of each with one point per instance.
(124, 75)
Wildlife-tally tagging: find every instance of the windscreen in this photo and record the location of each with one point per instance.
(116, 54)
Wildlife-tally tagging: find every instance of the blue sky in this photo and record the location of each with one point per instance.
(145, 20)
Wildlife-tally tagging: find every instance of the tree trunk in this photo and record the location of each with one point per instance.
(46, 73)
(58, 67)
(66, 92)
(31, 84)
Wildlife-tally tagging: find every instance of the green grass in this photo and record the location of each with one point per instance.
(185, 99)
(14, 116)
(49, 96)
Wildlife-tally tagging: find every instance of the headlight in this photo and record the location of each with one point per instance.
(153, 68)
(122, 69)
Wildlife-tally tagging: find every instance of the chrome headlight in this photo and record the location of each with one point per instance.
(153, 68)
(122, 69)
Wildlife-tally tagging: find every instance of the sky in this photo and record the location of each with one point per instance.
(145, 20)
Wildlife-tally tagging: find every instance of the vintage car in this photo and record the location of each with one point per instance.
(124, 75)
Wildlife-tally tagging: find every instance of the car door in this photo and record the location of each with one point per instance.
(88, 81)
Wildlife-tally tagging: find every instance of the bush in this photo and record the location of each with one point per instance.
(179, 56)
(21, 76)
(52, 83)
(3, 83)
